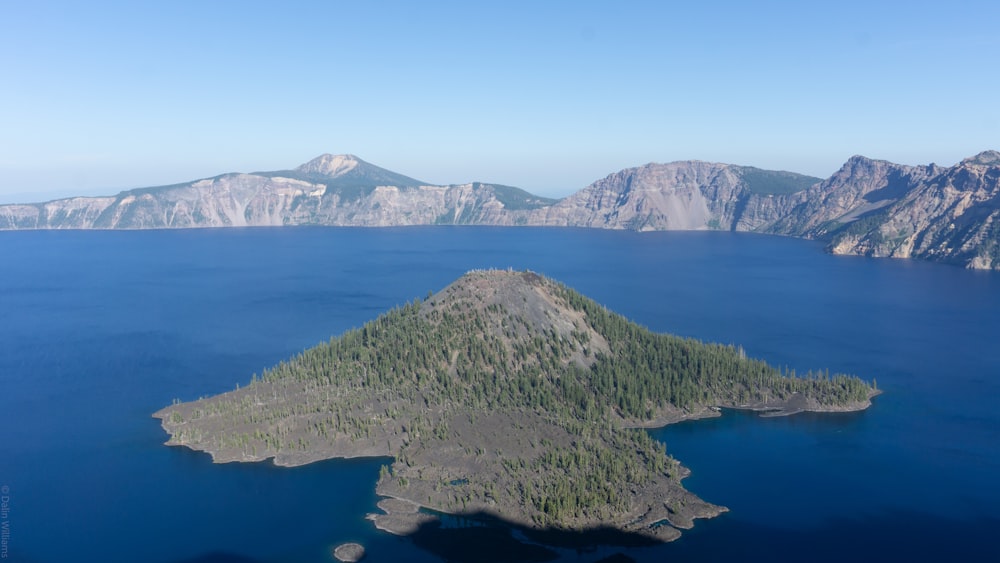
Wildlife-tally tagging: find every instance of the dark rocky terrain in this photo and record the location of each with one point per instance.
(504, 394)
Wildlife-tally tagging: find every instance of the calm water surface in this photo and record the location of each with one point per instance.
(100, 329)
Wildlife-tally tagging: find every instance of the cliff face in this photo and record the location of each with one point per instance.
(71, 213)
(337, 190)
(869, 207)
(861, 187)
(688, 195)
(948, 214)
(675, 196)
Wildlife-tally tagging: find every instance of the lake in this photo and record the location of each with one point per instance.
(99, 329)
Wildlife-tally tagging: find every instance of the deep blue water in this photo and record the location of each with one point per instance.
(100, 329)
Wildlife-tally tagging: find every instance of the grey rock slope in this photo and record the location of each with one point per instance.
(877, 208)
(338, 190)
(869, 207)
(943, 214)
(687, 195)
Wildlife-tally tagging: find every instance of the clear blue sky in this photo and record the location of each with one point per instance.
(549, 96)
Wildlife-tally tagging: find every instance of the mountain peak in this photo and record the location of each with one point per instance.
(501, 296)
(332, 165)
(985, 158)
(859, 159)
(486, 286)
(860, 163)
(349, 171)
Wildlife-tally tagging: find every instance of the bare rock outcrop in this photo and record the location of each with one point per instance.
(868, 207)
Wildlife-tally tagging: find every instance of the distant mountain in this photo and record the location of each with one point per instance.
(869, 207)
(928, 212)
(339, 190)
(345, 175)
(687, 195)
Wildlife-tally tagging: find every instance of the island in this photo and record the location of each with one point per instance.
(505, 394)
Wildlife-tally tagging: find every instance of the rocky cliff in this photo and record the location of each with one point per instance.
(687, 195)
(868, 207)
(337, 190)
(943, 214)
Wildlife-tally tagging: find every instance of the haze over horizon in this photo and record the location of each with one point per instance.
(550, 97)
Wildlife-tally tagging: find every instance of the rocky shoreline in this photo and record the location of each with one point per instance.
(402, 514)
(504, 395)
(400, 517)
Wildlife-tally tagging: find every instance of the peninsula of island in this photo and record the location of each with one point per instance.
(505, 394)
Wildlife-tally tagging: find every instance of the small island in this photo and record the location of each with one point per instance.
(349, 552)
(505, 394)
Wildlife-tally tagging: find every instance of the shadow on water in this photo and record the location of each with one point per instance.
(895, 535)
(483, 537)
(899, 535)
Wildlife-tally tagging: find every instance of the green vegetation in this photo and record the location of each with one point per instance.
(866, 226)
(355, 184)
(775, 182)
(448, 356)
(516, 199)
(505, 391)
(991, 243)
(646, 371)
